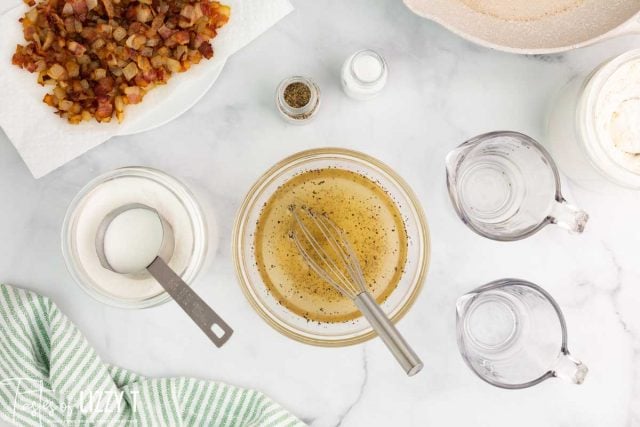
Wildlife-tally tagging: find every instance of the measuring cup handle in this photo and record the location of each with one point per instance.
(208, 320)
(569, 216)
(570, 369)
(380, 323)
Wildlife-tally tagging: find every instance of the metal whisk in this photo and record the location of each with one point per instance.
(335, 261)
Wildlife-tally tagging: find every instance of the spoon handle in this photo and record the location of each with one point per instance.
(208, 320)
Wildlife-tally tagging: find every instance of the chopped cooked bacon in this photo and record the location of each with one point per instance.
(104, 86)
(48, 40)
(98, 56)
(150, 75)
(134, 94)
(165, 32)
(189, 15)
(143, 13)
(104, 108)
(57, 72)
(206, 50)
(76, 48)
(181, 37)
(108, 8)
(80, 8)
(67, 9)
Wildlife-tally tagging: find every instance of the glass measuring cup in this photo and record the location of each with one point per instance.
(512, 334)
(505, 186)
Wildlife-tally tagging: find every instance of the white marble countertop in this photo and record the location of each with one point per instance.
(442, 90)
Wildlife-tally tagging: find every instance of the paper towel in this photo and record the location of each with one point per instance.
(45, 141)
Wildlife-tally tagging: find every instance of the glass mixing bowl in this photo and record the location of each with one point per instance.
(87, 210)
(289, 323)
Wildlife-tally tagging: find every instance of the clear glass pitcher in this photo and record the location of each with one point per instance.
(505, 186)
(512, 334)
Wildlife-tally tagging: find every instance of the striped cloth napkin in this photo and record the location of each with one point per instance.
(50, 375)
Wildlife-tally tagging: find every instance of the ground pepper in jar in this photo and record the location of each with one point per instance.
(297, 99)
(297, 94)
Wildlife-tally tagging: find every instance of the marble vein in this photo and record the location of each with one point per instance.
(365, 376)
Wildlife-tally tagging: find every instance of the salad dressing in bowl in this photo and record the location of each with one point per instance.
(362, 209)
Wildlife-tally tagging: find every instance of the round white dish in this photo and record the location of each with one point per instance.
(191, 91)
(164, 103)
(591, 22)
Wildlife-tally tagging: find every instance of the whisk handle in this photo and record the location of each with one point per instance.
(380, 323)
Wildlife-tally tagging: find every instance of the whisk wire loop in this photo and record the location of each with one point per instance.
(329, 271)
(338, 240)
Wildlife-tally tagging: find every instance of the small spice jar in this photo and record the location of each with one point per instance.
(298, 99)
(364, 74)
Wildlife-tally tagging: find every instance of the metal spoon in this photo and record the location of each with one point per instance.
(208, 320)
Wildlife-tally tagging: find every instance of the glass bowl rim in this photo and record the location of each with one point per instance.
(424, 241)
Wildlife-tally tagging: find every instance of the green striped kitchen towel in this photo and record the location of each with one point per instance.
(49, 375)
